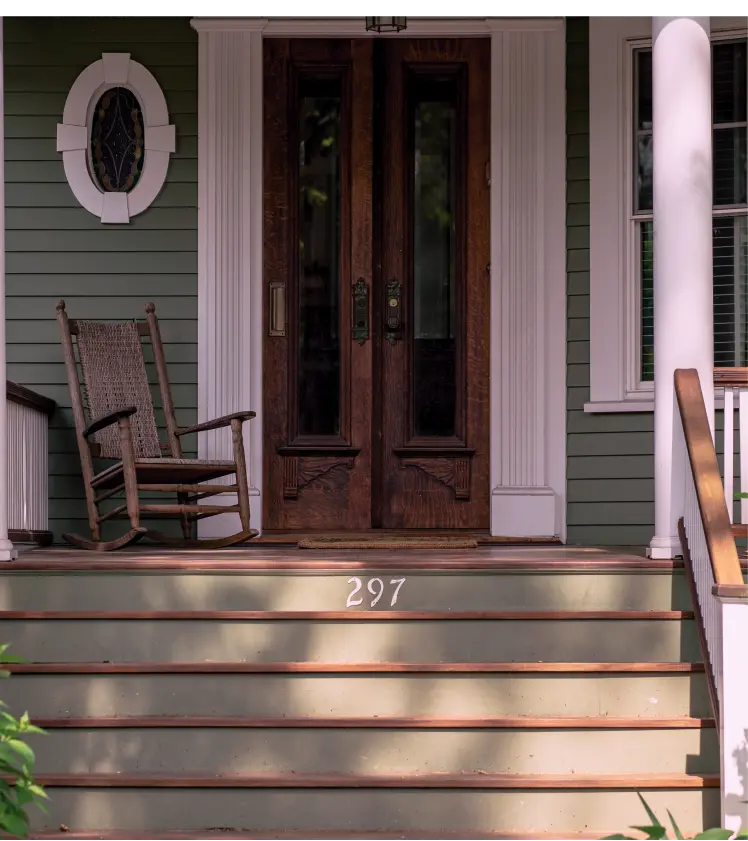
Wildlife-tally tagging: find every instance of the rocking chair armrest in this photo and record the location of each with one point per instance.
(218, 423)
(108, 420)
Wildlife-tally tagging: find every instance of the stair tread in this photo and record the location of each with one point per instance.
(432, 780)
(309, 667)
(348, 615)
(393, 722)
(251, 835)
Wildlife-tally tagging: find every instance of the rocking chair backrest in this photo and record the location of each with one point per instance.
(114, 377)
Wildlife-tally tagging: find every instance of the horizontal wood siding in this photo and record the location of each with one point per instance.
(56, 249)
(610, 458)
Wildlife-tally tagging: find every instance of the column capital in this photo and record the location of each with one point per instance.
(659, 24)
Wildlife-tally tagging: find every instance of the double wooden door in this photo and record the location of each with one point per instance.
(376, 284)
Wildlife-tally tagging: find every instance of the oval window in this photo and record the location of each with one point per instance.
(117, 144)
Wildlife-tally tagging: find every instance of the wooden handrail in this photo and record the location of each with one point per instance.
(708, 480)
(26, 397)
(731, 377)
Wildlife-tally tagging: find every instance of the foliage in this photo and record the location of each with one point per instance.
(17, 787)
(741, 496)
(656, 831)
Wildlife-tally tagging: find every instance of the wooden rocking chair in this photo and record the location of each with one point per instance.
(121, 425)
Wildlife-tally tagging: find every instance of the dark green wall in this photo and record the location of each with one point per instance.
(56, 249)
(610, 463)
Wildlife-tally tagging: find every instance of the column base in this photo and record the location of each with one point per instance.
(664, 548)
(7, 551)
(523, 512)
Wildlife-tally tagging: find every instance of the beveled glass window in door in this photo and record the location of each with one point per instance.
(319, 218)
(435, 161)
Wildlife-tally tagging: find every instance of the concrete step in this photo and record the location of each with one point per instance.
(597, 805)
(326, 589)
(308, 748)
(664, 693)
(344, 640)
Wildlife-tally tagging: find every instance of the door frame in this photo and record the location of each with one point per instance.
(528, 261)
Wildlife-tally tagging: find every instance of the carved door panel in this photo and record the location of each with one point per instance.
(317, 282)
(434, 243)
(376, 284)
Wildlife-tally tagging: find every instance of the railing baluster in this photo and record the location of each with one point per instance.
(729, 449)
(743, 438)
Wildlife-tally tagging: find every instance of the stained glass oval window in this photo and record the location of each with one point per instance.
(117, 143)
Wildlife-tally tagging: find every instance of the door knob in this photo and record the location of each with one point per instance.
(393, 312)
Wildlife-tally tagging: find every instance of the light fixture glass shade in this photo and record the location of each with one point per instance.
(385, 24)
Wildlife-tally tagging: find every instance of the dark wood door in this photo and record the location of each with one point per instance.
(317, 245)
(434, 284)
(376, 284)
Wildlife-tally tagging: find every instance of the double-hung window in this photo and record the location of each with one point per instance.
(621, 227)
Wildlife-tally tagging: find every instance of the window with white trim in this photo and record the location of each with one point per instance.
(621, 229)
(729, 231)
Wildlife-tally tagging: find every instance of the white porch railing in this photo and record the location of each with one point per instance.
(735, 384)
(28, 485)
(721, 596)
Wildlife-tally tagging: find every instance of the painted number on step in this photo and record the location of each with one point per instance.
(376, 587)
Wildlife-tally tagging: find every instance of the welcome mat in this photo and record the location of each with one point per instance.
(388, 543)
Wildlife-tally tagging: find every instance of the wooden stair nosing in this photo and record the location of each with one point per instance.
(468, 564)
(398, 781)
(306, 667)
(416, 722)
(232, 834)
(350, 615)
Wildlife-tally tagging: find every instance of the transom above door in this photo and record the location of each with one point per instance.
(376, 278)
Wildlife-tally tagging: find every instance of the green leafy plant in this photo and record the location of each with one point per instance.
(17, 787)
(656, 831)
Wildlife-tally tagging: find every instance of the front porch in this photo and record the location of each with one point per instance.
(426, 262)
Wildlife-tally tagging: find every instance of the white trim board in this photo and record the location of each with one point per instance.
(528, 276)
(355, 27)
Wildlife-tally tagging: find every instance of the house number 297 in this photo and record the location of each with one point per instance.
(376, 587)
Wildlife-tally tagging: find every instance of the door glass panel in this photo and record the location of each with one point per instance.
(435, 162)
(319, 256)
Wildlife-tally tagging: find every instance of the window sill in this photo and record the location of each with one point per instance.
(601, 407)
(639, 405)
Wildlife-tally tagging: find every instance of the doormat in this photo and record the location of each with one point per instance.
(388, 543)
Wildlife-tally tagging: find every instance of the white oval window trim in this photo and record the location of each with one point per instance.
(74, 137)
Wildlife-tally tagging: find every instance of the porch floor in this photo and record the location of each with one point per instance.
(262, 556)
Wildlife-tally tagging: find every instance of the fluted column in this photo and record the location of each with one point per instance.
(230, 244)
(527, 278)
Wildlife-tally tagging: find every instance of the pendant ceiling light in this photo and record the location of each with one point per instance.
(385, 24)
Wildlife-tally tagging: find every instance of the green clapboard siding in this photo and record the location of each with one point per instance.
(56, 249)
(610, 458)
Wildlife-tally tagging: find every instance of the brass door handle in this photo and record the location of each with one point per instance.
(393, 311)
(277, 301)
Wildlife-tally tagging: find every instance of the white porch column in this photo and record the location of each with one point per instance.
(230, 245)
(7, 552)
(683, 302)
(528, 278)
